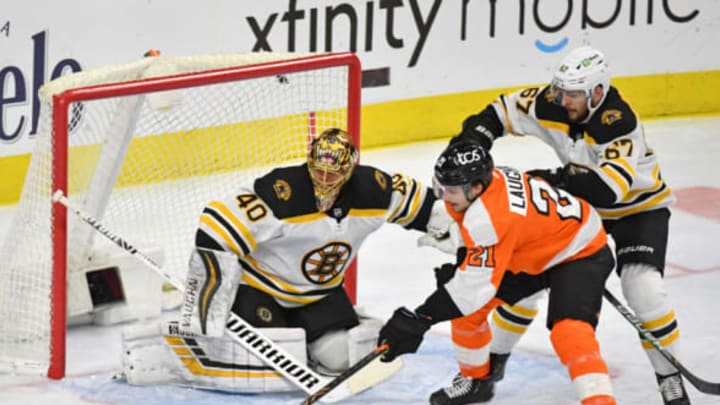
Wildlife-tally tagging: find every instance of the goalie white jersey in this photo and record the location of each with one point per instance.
(608, 154)
(293, 252)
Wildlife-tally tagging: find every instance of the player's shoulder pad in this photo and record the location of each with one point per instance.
(370, 187)
(614, 119)
(547, 109)
(288, 191)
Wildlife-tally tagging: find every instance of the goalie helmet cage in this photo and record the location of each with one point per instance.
(144, 147)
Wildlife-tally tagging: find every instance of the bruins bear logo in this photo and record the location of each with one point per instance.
(322, 265)
(282, 190)
(610, 116)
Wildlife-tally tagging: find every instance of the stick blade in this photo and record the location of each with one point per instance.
(374, 373)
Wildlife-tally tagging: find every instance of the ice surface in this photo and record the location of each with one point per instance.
(394, 272)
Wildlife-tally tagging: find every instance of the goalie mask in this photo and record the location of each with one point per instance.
(331, 162)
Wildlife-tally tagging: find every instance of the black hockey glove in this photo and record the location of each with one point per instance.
(557, 177)
(446, 271)
(403, 333)
(483, 128)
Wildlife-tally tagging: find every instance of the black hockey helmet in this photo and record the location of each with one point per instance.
(464, 163)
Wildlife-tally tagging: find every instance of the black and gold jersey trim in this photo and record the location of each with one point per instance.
(283, 291)
(223, 227)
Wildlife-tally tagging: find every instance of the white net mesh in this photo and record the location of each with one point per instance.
(145, 165)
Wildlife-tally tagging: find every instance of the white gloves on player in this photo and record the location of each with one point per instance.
(443, 232)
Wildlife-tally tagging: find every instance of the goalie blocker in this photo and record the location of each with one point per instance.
(194, 351)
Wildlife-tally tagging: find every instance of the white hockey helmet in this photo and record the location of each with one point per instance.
(584, 68)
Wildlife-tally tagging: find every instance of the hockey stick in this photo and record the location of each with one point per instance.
(364, 374)
(702, 385)
(237, 328)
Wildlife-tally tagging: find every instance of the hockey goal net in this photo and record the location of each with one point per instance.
(143, 147)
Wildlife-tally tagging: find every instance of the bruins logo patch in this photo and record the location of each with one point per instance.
(322, 265)
(264, 314)
(382, 182)
(282, 190)
(610, 116)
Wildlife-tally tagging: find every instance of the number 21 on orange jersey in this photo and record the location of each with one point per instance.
(481, 256)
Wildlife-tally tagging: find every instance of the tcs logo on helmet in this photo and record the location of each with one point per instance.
(467, 157)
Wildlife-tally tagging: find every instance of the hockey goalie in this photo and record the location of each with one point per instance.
(274, 253)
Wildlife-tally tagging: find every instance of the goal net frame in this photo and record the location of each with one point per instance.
(61, 122)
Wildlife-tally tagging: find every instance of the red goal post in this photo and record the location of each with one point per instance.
(118, 141)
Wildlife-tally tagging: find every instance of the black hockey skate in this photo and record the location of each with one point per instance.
(497, 365)
(672, 389)
(465, 390)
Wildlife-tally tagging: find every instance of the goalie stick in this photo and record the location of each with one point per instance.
(364, 374)
(702, 385)
(237, 328)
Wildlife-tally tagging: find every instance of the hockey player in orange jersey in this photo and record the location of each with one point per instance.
(520, 236)
(606, 160)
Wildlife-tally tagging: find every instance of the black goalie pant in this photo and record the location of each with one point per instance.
(334, 312)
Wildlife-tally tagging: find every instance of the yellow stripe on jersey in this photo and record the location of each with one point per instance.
(280, 284)
(617, 178)
(315, 216)
(398, 209)
(219, 230)
(656, 186)
(625, 165)
(588, 139)
(227, 214)
(554, 125)
(413, 208)
(636, 208)
(367, 212)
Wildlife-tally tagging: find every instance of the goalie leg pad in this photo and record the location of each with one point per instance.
(161, 354)
(335, 351)
(210, 287)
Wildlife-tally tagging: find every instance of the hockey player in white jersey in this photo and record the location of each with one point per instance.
(606, 161)
(274, 252)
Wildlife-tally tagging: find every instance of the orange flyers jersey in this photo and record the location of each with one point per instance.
(519, 224)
